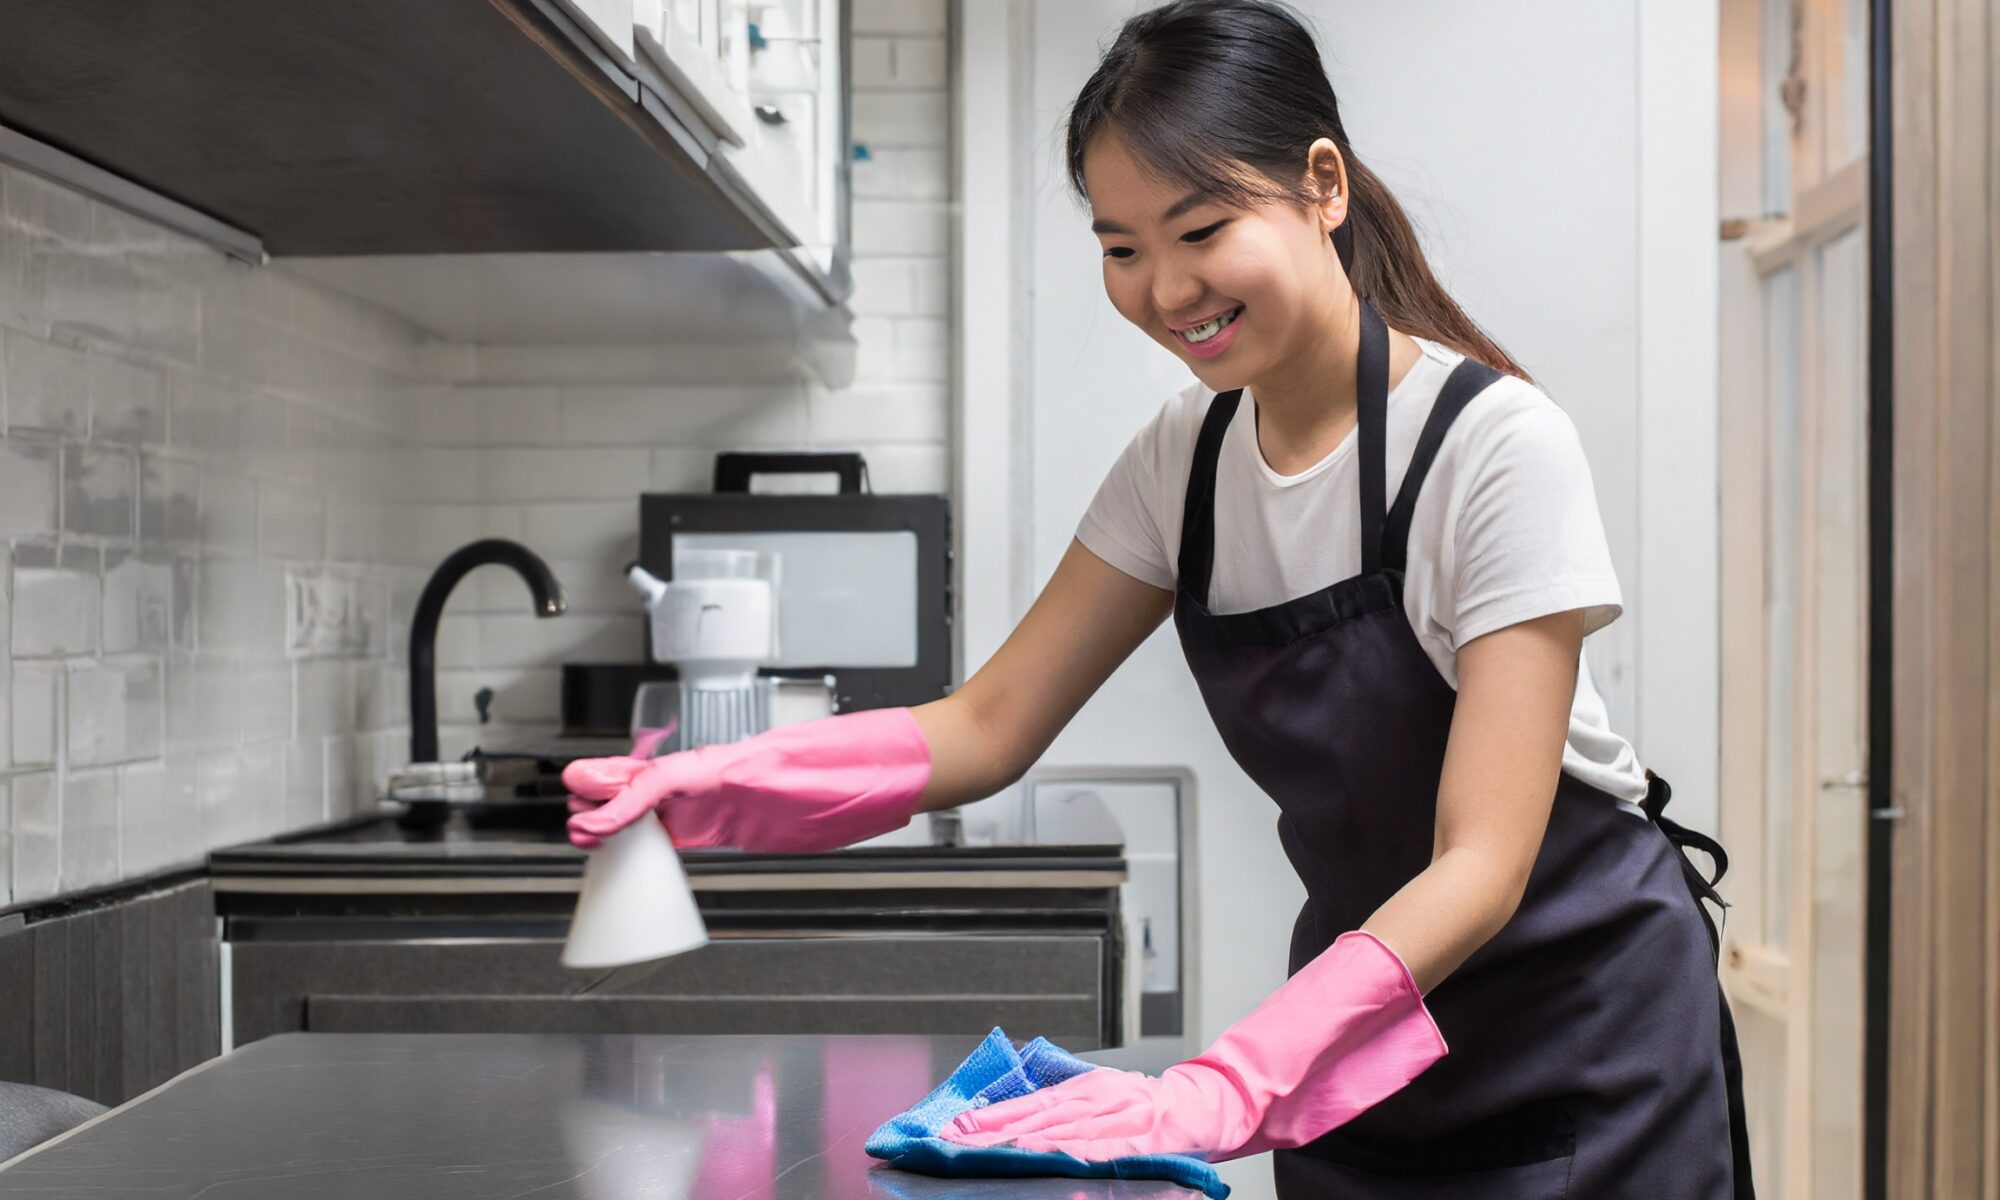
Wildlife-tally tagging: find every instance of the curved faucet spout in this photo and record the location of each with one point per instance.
(542, 586)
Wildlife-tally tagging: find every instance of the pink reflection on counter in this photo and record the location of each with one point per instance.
(863, 1082)
(739, 1159)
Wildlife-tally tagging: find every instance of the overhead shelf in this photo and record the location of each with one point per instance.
(379, 127)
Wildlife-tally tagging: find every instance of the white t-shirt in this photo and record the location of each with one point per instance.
(1505, 529)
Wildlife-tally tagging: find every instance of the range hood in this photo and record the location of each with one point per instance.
(376, 127)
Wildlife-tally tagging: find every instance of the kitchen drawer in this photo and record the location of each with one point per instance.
(1058, 985)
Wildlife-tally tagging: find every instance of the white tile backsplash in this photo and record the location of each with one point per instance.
(594, 473)
(27, 488)
(204, 702)
(872, 62)
(37, 835)
(138, 602)
(593, 530)
(48, 386)
(36, 712)
(228, 510)
(169, 501)
(903, 173)
(128, 402)
(920, 63)
(181, 433)
(323, 690)
(157, 822)
(305, 781)
(177, 427)
(902, 118)
(114, 712)
(290, 521)
(89, 829)
(266, 690)
(55, 599)
(610, 417)
(6, 840)
(917, 228)
(100, 491)
(898, 16)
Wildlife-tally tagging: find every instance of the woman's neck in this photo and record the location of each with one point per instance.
(1307, 407)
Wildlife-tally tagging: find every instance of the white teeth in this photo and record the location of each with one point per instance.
(1209, 329)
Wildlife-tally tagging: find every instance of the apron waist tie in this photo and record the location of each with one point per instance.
(1702, 887)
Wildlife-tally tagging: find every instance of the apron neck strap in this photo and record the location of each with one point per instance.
(1197, 558)
(1371, 396)
(1469, 378)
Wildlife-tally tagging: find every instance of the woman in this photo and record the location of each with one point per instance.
(1380, 546)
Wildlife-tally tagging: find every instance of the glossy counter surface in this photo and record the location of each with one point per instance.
(458, 1117)
(382, 850)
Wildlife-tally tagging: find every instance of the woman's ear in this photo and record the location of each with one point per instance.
(1326, 183)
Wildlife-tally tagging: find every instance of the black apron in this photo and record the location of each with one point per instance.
(1591, 1051)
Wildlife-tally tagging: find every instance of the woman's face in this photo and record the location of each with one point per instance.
(1233, 291)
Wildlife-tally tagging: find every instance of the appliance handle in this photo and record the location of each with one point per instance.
(735, 469)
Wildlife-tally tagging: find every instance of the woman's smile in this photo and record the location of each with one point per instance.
(1211, 336)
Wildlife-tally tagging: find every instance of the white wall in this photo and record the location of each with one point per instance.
(1558, 160)
(182, 434)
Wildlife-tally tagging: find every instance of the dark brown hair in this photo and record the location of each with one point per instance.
(1225, 97)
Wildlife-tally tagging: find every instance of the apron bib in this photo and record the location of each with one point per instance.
(1591, 1051)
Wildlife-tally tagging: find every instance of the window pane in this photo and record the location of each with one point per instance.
(1781, 392)
(1840, 824)
(1777, 57)
(1854, 81)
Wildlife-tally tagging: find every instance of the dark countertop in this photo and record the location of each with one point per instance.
(379, 847)
(464, 1116)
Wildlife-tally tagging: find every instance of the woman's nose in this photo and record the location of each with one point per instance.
(1175, 292)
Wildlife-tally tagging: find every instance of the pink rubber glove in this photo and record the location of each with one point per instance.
(1339, 1037)
(815, 785)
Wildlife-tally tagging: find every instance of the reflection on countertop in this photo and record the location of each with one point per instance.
(381, 846)
(556, 1117)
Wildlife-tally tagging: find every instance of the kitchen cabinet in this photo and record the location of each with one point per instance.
(376, 929)
(109, 997)
(452, 127)
(857, 983)
(769, 79)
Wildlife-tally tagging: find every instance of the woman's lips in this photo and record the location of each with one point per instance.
(1216, 344)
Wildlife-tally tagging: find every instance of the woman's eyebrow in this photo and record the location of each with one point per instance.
(1179, 206)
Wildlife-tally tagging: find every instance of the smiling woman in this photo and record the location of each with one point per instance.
(1254, 146)
(1382, 576)
(1380, 546)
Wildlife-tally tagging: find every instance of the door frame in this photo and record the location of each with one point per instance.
(1881, 609)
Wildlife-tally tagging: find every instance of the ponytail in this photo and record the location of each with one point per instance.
(1202, 89)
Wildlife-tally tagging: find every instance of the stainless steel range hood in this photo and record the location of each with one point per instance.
(375, 127)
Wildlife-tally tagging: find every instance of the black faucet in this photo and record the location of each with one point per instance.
(430, 606)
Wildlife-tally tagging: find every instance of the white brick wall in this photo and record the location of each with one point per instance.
(173, 437)
(178, 432)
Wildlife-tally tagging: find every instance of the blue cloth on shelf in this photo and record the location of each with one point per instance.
(995, 1072)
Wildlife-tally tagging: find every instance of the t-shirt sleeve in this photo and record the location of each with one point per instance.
(1122, 526)
(1528, 538)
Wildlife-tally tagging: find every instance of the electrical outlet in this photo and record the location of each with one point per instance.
(331, 614)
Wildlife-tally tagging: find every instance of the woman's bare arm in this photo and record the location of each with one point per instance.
(1515, 687)
(984, 736)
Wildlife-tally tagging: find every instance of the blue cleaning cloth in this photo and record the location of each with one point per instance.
(995, 1072)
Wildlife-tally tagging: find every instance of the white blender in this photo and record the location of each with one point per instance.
(716, 621)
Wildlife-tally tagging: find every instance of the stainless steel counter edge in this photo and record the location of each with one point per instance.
(795, 882)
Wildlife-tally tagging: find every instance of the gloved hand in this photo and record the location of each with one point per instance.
(1342, 1035)
(814, 785)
